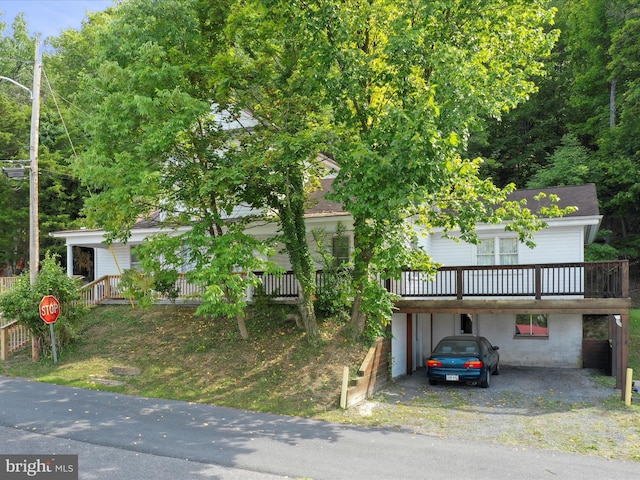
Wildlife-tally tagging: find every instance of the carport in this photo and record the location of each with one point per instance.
(406, 359)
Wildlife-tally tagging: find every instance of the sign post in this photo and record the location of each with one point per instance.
(49, 313)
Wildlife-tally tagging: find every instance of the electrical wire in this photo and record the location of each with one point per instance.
(55, 101)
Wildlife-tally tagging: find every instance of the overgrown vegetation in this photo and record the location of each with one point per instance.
(187, 357)
(333, 297)
(22, 302)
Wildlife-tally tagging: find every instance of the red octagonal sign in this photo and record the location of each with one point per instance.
(49, 309)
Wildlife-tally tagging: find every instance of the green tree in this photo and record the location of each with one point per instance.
(406, 82)
(16, 63)
(263, 72)
(60, 195)
(619, 143)
(157, 149)
(570, 164)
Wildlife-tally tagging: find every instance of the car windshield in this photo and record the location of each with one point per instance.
(457, 347)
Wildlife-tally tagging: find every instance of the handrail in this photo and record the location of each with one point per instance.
(580, 279)
(573, 279)
(107, 287)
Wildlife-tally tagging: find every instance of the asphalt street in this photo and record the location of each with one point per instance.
(127, 437)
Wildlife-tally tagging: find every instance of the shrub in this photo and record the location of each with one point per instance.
(22, 302)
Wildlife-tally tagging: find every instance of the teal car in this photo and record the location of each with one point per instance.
(463, 358)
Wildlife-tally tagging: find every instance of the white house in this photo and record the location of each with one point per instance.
(528, 301)
(527, 337)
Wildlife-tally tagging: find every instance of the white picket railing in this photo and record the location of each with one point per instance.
(13, 336)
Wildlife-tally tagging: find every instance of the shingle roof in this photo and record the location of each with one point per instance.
(321, 206)
(584, 197)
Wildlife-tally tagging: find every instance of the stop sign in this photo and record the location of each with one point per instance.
(49, 309)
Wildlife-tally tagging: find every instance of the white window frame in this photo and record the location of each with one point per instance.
(497, 251)
(533, 325)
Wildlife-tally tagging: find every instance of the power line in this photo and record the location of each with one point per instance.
(55, 101)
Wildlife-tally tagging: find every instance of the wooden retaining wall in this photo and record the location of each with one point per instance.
(373, 375)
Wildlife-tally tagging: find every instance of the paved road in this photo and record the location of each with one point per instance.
(126, 437)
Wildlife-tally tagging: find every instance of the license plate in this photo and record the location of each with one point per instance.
(452, 378)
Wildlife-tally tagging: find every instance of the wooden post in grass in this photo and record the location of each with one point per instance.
(627, 389)
(345, 386)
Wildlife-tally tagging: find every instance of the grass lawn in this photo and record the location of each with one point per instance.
(185, 357)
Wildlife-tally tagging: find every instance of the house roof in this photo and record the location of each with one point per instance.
(584, 197)
(320, 205)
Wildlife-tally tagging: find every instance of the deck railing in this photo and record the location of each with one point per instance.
(582, 279)
(108, 288)
(6, 283)
(578, 279)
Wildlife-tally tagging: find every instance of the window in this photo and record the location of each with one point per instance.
(486, 252)
(134, 261)
(532, 325)
(498, 251)
(508, 251)
(340, 249)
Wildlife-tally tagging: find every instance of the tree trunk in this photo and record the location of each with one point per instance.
(360, 278)
(358, 318)
(612, 103)
(242, 326)
(295, 238)
(36, 342)
(308, 314)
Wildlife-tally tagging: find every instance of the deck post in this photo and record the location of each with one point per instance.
(459, 283)
(625, 279)
(623, 355)
(538, 281)
(4, 344)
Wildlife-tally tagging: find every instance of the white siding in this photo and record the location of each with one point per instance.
(451, 253)
(554, 245)
(105, 263)
(399, 345)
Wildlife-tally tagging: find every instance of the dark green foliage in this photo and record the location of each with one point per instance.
(333, 297)
(22, 302)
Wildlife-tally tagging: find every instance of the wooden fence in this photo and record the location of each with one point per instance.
(6, 283)
(13, 336)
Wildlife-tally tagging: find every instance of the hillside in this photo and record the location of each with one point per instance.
(167, 352)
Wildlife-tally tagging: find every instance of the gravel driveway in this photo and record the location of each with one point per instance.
(562, 409)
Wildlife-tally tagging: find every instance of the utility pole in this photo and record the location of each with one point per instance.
(34, 232)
